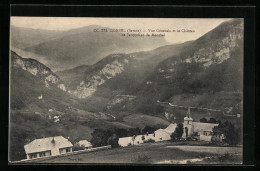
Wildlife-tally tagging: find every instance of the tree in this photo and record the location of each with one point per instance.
(186, 132)
(148, 129)
(77, 147)
(120, 132)
(232, 135)
(113, 141)
(100, 137)
(134, 131)
(203, 120)
(212, 120)
(133, 139)
(195, 135)
(177, 134)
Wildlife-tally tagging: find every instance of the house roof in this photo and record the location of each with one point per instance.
(45, 144)
(198, 126)
(84, 143)
(188, 118)
(171, 128)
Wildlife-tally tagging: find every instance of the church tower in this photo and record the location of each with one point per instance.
(187, 124)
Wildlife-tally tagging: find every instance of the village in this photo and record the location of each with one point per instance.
(189, 130)
(103, 91)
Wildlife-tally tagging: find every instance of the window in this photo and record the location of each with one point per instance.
(62, 150)
(47, 153)
(206, 133)
(67, 150)
(42, 154)
(33, 155)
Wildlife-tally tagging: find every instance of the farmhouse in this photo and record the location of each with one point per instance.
(158, 135)
(50, 146)
(85, 144)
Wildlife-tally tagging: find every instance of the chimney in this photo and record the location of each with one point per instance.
(53, 141)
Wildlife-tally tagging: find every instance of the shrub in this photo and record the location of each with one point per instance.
(148, 129)
(203, 120)
(149, 141)
(77, 147)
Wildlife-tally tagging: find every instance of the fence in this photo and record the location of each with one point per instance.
(61, 155)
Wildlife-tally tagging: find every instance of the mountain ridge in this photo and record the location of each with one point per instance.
(208, 73)
(81, 46)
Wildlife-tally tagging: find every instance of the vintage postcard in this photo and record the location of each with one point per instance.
(126, 90)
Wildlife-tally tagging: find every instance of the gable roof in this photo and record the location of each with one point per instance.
(171, 128)
(199, 126)
(45, 144)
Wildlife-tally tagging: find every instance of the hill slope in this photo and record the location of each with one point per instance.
(41, 107)
(130, 70)
(208, 73)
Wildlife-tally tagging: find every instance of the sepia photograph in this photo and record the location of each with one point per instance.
(100, 90)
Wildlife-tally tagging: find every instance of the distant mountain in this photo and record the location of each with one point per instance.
(133, 72)
(213, 63)
(22, 38)
(208, 72)
(84, 46)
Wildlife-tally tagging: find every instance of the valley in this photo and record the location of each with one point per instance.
(77, 81)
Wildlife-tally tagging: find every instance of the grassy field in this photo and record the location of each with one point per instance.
(153, 153)
(141, 120)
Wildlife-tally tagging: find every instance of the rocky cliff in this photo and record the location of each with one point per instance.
(37, 69)
(98, 74)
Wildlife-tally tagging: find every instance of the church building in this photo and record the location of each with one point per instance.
(203, 130)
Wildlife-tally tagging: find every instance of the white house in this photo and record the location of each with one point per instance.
(50, 146)
(125, 141)
(165, 134)
(85, 144)
(139, 139)
(159, 135)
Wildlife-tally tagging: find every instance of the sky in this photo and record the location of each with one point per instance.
(200, 26)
